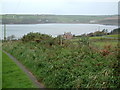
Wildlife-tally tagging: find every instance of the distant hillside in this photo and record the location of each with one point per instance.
(40, 19)
(109, 20)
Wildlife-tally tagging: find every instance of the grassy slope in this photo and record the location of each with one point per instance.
(12, 76)
(65, 67)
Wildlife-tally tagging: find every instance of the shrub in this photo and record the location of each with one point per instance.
(38, 37)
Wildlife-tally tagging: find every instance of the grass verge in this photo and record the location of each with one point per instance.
(0, 68)
(12, 76)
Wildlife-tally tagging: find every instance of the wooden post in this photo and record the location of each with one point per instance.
(4, 31)
(61, 41)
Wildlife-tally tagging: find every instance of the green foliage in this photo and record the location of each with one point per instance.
(84, 40)
(35, 37)
(115, 31)
(113, 34)
(69, 65)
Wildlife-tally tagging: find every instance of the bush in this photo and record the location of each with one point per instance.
(38, 37)
(84, 40)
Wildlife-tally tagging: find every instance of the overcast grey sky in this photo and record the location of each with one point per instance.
(60, 7)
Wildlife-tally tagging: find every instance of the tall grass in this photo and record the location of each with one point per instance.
(69, 65)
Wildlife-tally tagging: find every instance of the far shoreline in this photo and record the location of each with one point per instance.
(58, 23)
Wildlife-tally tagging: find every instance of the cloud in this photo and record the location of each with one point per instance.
(52, 1)
(59, 6)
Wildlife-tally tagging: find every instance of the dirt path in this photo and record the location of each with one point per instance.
(28, 73)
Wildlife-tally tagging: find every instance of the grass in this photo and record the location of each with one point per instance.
(114, 36)
(0, 67)
(101, 44)
(90, 38)
(98, 37)
(84, 64)
(66, 67)
(99, 41)
(12, 76)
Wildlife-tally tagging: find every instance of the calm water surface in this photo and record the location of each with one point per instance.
(54, 29)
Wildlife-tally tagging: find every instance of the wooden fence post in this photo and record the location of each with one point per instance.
(4, 31)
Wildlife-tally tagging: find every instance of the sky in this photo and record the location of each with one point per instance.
(60, 7)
